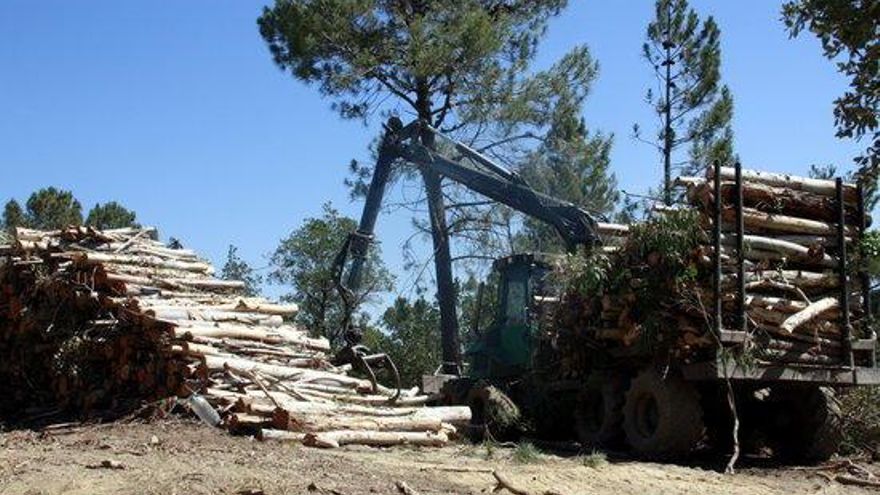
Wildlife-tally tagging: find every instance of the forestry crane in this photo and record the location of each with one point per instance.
(472, 170)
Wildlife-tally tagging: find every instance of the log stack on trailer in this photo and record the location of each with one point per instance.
(103, 320)
(786, 282)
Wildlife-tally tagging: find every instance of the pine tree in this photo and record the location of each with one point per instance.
(459, 65)
(111, 215)
(13, 216)
(235, 268)
(46, 209)
(574, 165)
(693, 107)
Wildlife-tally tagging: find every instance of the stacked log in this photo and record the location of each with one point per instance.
(95, 320)
(791, 262)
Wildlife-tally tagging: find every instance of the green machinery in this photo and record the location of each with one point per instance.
(627, 397)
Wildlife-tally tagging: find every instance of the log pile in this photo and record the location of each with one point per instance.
(658, 287)
(97, 320)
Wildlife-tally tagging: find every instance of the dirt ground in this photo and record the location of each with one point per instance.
(182, 457)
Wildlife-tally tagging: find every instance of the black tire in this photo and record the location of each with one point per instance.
(493, 414)
(807, 424)
(662, 419)
(598, 414)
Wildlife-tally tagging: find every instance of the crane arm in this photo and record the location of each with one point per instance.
(472, 170)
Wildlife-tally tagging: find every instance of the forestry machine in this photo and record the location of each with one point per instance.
(620, 395)
(506, 346)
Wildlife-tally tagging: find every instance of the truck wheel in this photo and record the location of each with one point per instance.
(493, 414)
(662, 418)
(598, 414)
(808, 426)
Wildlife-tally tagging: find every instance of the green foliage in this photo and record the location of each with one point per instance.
(860, 408)
(825, 171)
(111, 215)
(595, 459)
(573, 165)
(583, 274)
(413, 329)
(869, 252)
(658, 252)
(13, 216)
(461, 65)
(50, 208)
(848, 31)
(236, 268)
(46, 209)
(304, 262)
(357, 51)
(685, 55)
(655, 266)
(526, 453)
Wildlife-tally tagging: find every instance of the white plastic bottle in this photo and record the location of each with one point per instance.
(203, 409)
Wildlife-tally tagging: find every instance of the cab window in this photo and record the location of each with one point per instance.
(516, 302)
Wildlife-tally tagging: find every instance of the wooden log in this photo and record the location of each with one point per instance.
(128, 259)
(281, 334)
(798, 358)
(756, 220)
(793, 182)
(800, 278)
(803, 348)
(768, 199)
(781, 246)
(456, 415)
(809, 241)
(612, 229)
(219, 363)
(761, 256)
(375, 400)
(245, 421)
(202, 350)
(313, 423)
(171, 315)
(333, 439)
(273, 435)
(176, 283)
(813, 338)
(809, 313)
(240, 305)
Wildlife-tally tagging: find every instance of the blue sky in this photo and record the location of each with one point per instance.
(176, 110)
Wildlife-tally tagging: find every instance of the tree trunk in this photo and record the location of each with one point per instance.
(446, 295)
(667, 118)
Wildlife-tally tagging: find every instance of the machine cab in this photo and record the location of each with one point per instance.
(505, 349)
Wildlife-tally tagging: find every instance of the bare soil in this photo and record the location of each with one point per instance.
(183, 457)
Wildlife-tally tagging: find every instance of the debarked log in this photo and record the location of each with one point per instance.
(332, 439)
(809, 313)
(818, 186)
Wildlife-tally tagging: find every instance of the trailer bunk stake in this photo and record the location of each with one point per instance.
(846, 330)
(740, 265)
(716, 241)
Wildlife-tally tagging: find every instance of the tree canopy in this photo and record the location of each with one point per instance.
(460, 65)
(304, 261)
(692, 105)
(52, 208)
(849, 31)
(235, 268)
(574, 165)
(48, 208)
(111, 215)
